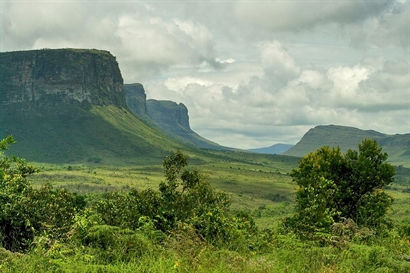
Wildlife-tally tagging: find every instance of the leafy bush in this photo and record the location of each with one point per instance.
(24, 211)
(183, 198)
(113, 244)
(335, 186)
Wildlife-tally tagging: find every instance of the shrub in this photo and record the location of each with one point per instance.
(26, 212)
(334, 186)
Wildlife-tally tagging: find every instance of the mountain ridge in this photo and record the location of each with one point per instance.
(346, 137)
(170, 117)
(277, 148)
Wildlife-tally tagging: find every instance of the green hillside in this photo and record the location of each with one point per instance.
(72, 133)
(397, 146)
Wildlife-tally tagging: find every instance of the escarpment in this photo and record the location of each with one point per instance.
(169, 113)
(136, 98)
(68, 105)
(55, 76)
(170, 117)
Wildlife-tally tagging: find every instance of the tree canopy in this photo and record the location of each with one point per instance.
(333, 187)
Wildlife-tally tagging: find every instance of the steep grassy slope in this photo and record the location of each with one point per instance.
(71, 133)
(397, 146)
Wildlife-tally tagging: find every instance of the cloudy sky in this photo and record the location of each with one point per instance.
(252, 73)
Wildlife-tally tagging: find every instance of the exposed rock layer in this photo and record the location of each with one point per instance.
(171, 117)
(60, 75)
(135, 98)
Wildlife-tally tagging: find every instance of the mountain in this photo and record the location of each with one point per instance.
(68, 105)
(136, 99)
(397, 146)
(168, 116)
(274, 149)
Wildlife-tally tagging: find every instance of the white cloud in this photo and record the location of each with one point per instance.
(346, 80)
(313, 79)
(179, 84)
(274, 55)
(262, 111)
(251, 73)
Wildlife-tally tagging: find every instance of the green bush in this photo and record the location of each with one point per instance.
(183, 198)
(26, 212)
(113, 244)
(335, 186)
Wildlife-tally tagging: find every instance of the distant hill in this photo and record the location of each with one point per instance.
(397, 146)
(168, 116)
(274, 149)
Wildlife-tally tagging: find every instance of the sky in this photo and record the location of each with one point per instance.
(252, 73)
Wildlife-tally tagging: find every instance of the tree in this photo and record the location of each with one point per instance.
(184, 199)
(16, 231)
(333, 186)
(26, 212)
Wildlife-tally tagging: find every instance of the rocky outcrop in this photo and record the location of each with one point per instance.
(173, 119)
(136, 98)
(60, 75)
(68, 105)
(170, 117)
(169, 113)
(166, 114)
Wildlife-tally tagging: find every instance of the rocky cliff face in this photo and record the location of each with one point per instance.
(68, 105)
(60, 75)
(172, 118)
(135, 98)
(168, 113)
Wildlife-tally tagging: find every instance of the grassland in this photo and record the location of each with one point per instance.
(260, 184)
(256, 183)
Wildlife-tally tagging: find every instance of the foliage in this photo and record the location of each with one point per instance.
(24, 211)
(334, 186)
(184, 198)
(16, 231)
(187, 226)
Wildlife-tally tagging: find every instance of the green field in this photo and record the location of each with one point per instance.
(259, 184)
(254, 182)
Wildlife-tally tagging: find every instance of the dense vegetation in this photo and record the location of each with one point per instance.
(188, 226)
(334, 187)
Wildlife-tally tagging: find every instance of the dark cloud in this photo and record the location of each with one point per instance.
(299, 15)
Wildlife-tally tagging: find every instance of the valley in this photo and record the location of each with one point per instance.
(125, 185)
